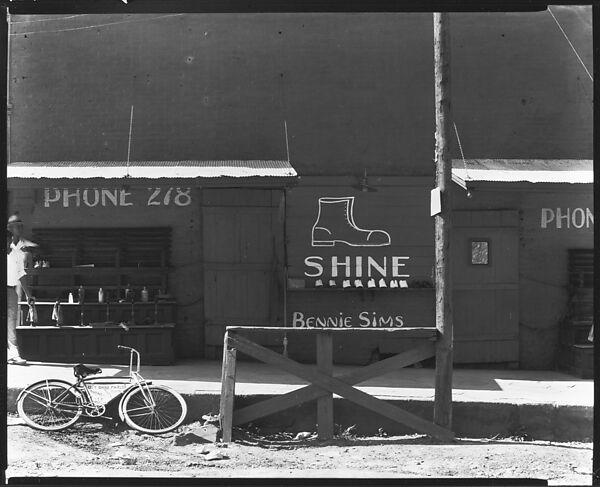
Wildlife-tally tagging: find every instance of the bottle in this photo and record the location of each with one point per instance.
(71, 300)
(57, 315)
(145, 296)
(100, 295)
(128, 293)
(32, 316)
(81, 293)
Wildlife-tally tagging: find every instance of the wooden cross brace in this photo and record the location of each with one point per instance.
(323, 386)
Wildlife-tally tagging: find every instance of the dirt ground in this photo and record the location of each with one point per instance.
(100, 448)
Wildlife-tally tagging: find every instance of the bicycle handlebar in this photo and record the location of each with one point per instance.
(132, 351)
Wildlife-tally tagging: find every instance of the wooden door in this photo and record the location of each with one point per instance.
(485, 265)
(243, 260)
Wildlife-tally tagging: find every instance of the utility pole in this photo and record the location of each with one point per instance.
(442, 413)
(8, 99)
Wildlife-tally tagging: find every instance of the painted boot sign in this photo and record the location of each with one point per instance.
(335, 225)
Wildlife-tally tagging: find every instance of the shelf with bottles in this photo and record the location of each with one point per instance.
(112, 292)
(113, 313)
(54, 282)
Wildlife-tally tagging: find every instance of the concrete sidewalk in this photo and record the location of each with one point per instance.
(544, 404)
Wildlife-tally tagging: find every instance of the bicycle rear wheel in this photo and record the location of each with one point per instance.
(167, 413)
(49, 406)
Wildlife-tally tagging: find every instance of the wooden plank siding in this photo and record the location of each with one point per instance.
(27, 197)
(400, 206)
(243, 260)
(401, 211)
(543, 277)
(486, 297)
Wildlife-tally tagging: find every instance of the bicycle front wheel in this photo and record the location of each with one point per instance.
(49, 406)
(158, 409)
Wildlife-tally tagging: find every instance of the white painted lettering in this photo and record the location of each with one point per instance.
(110, 195)
(567, 218)
(92, 197)
(367, 319)
(309, 262)
(335, 264)
(332, 321)
(183, 198)
(123, 198)
(67, 196)
(358, 266)
(298, 319)
(386, 322)
(396, 264)
(47, 199)
(560, 217)
(86, 199)
(152, 198)
(365, 322)
(372, 263)
(581, 218)
(167, 198)
(547, 216)
(321, 321)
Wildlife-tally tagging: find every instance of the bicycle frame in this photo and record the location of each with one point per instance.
(81, 388)
(56, 404)
(138, 380)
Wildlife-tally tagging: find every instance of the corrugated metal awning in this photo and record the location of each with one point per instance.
(571, 171)
(150, 169)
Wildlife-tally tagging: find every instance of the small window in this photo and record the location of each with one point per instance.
(480, 252)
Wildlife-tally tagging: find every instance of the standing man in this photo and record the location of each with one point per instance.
(16, 280)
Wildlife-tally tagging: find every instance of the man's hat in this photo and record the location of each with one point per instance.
(14, 220)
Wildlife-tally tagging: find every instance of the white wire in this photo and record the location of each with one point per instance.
(287, 145)
(461, 150)
(94, 26)
(570, 43)
(129, 142)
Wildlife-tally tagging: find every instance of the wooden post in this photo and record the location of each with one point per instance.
(325, 403)
(442, 413)
(227, 390)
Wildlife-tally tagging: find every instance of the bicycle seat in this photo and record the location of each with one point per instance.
(81, 371)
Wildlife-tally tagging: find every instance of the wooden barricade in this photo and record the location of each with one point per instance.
(323, 384)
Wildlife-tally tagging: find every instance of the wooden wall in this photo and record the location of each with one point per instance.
(543, 256)
(356, 89)
(186, 246)
(243, 261)
(400, 207)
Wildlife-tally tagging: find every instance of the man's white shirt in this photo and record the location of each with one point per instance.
(15, 264)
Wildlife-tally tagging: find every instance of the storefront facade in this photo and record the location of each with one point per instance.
(541, 220)
(329, 252)
(197, 267)
(348, 99)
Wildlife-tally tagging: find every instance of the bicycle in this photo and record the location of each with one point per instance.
(55, 404)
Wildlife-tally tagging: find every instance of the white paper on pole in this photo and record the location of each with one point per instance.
(436, 201)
